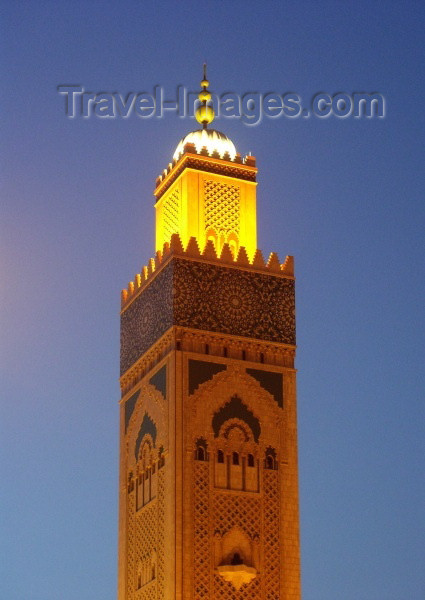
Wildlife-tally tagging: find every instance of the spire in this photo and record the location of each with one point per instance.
(204, 114)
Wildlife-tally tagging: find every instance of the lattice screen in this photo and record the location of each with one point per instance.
(147, 592)
(131, 555)
(222, 206)
(171, 215)
(202, 542)
(142, 542)
(146, 536)
(237, 511)
(271, 534)
(161, 534)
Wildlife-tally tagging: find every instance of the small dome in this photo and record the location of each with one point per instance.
(212, 139)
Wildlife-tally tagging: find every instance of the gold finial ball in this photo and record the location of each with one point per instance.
(205, 83)
(204, 114)
(204, 96)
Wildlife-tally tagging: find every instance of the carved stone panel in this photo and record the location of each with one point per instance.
(209, 297)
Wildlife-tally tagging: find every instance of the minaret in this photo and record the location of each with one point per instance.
(208, 435)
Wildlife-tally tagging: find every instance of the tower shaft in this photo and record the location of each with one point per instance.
(208, 438)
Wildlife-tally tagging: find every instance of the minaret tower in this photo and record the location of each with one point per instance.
(208, 435)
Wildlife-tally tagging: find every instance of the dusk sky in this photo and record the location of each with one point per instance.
(343, 195)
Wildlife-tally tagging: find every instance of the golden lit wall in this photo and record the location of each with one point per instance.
(218, 206)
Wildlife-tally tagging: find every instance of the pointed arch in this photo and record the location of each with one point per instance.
(235, 408)
(147, 426)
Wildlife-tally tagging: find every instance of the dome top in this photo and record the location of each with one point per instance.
(212, 139)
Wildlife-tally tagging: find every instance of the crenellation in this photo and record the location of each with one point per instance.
(288, 266)
(226, 254)
(273, 263)
(258, 260)
(192, 248)
(246, 162)
(209, 251)
(242, 257)
(175, 247)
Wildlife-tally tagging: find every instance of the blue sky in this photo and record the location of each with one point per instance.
(345, 196)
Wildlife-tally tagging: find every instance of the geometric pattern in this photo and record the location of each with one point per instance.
(142, 536)
(258, 517)
(131, 555)
(226, 512)
(147, 592)
(202, 541)
(209, 297)
(171, 215)
(271, 534)
(147, 318)
(231, 510)
(161, 534)
(222, 204)
(146, 536)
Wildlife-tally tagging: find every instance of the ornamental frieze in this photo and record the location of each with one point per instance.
(209, 297)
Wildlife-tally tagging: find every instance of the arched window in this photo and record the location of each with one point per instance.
(161, 457)
(251, 460)
(235, 458)
(201, 449)
(271, 459)
(220, 456)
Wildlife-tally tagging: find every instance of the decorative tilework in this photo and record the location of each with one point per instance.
(147, 318)
(209, 297)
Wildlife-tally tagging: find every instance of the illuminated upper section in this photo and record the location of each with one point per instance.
(212, 140)
(205, 211)
(208, 191)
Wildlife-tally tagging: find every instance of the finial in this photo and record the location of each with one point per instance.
(204, 114)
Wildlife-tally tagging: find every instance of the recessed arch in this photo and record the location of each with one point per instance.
(147, 427)
(236, 409)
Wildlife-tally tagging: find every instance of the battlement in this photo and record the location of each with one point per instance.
(209, 254)
(241, 167)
